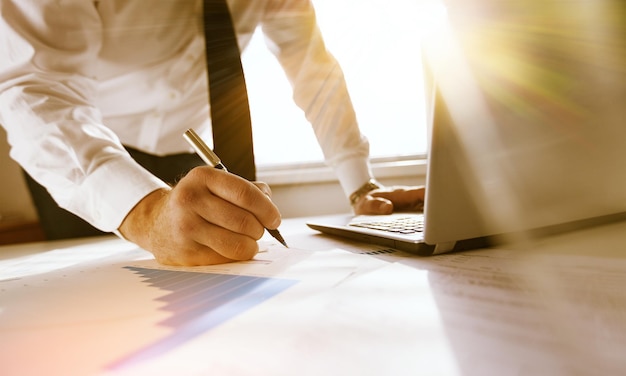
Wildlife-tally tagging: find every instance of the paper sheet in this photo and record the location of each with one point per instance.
(379, 322)
(114, 310)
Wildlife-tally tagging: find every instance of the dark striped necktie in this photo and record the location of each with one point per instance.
(230, 111)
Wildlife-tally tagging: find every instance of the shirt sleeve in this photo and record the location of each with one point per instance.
(319, 89)
(48, 89)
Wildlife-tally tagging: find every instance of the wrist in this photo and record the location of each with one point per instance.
(137, 224)
(366, 188)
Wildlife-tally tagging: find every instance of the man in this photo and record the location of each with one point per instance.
(85, 83)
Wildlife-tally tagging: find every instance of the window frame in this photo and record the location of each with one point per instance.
(388, 168)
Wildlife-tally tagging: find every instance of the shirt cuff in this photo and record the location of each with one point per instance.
(353, 173)
(108, 194)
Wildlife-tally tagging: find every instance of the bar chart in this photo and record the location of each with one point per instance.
(198, 302)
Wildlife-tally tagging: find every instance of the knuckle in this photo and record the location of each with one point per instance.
(242, 195)
(184, 196)
(196, 173)
(248, 195)
(243, 249)
(264, 188)
(186, 227)
(248, 225)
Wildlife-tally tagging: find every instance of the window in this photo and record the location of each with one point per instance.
(377, 44)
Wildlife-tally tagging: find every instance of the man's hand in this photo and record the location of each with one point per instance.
(390, 199)
(209, 217)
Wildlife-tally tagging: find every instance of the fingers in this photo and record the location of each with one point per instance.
(213, 245)
(388, 200)
(241, 194)
(403, 197)
(221, 215)
(216, 213)
(229, 244)
(370, 205)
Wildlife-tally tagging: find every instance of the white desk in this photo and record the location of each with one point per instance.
(324, 307)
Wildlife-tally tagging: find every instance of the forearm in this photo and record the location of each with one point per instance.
(320, 90)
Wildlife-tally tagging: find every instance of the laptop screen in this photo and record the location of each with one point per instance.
(529, 103)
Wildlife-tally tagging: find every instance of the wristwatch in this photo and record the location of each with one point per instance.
(369, 186)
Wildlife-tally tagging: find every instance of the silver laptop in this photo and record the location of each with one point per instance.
(527, 128)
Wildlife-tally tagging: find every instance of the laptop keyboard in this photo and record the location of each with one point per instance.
(399, 225)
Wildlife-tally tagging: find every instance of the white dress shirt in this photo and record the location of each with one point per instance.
(79, 78)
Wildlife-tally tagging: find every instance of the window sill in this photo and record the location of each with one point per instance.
(317, 172)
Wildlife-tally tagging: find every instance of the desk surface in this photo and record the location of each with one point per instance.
(325, 306)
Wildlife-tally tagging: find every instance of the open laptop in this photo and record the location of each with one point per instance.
(527, 127)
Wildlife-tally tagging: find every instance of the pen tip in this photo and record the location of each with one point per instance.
(282, 241)
(278, 237)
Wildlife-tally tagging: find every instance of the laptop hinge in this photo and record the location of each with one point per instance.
(443, 247)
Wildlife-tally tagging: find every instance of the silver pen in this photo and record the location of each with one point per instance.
(210, 158)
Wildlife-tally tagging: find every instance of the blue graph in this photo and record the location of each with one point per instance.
(199, 302)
